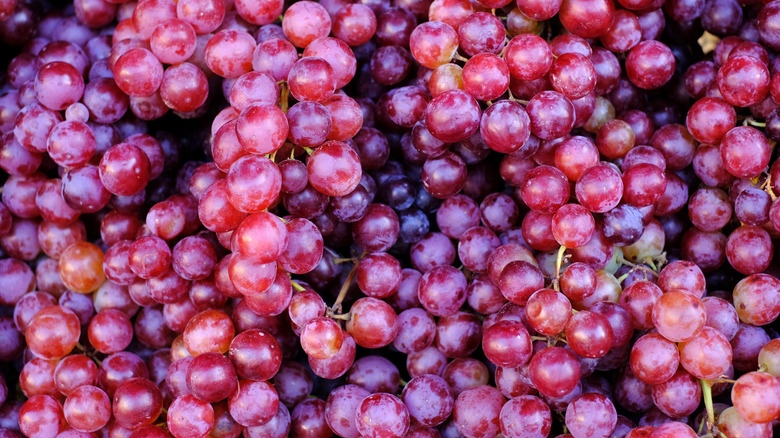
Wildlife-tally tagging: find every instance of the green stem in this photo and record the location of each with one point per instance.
(635, 266)
(558, 263)
(345, 260)
(706, 390)
(284, 99)
(723, 380)
(457, 57)
(767, 187)
(753, 122)
(297, 286)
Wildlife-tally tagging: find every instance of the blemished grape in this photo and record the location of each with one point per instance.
(253, 403)
(591, 415)
(678, 396)
(678, 316)
(87, 408)
(382, 414)
(188, 415)
(654, 359)
(753, 299)
(429, 399)
(477, 410)
(730, 422)
(707, 342)
(749, 389)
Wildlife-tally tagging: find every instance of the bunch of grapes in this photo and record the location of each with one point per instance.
(389, 219)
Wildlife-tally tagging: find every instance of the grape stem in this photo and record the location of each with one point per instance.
(335, 309)
(660, 259)
(284, 98)
(345, 260)
(767, 187)
(720, 380)
(297, 286)
(501, 54)
(514, 99)
(558, 263)
(706, 390)
(753, 122)
(90, 354)
(458, 57)
(635, 266)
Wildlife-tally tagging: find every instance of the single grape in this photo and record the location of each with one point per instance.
(382, 414)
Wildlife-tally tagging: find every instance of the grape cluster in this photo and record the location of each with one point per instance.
(389, 219)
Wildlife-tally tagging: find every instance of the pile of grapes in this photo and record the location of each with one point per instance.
(389, 218)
